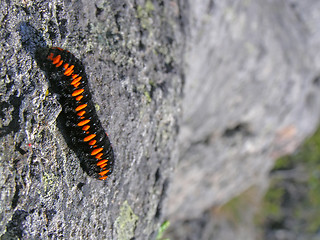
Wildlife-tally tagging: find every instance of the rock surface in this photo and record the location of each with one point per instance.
(251, 95)
(244, 73)
(132, 58)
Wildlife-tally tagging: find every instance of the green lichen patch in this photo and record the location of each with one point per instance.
(126, 222)
(49, 184)
(144, 14)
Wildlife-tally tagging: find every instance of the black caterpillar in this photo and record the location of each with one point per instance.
(86, 133)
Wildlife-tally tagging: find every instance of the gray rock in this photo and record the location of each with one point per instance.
(245, 72)
(251, 95)
(132, 55)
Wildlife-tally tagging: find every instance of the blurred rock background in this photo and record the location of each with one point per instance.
(251, 96)
(199, 99)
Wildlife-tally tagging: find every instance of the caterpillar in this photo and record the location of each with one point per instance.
(83, 127)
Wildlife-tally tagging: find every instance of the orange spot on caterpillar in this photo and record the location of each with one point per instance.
(85, 128)
(56, 59)
(74, 76)
(79, 98)
(103, 172)
(84, 122)
(98, 156)
(88, 138)
(69, 71)
(50, 57)
(102, 166)
(66, 65)
(76, 80)
(96, 151)
(77, 84)
(59, 63)
(77, 92)
(80, 114)
(102, 162)
(81, 107)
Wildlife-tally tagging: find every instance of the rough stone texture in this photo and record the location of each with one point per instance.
(249, 74)
(132, 58)
(251, 95)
